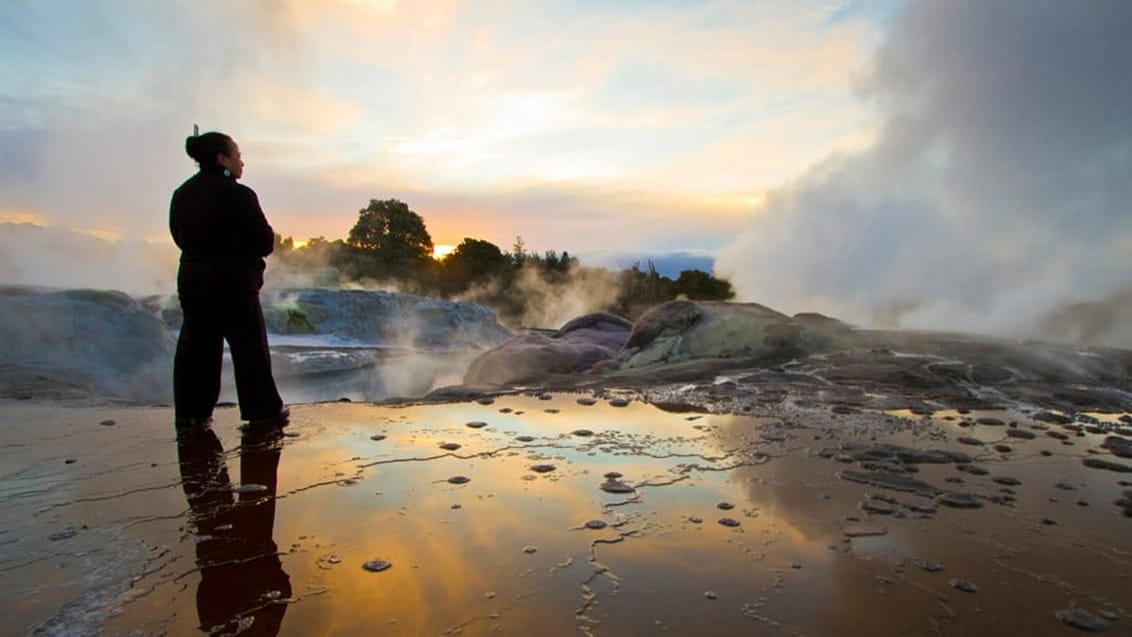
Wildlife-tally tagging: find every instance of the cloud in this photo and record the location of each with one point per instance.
(998, 187)
(570, 215)
(288, 108)
(590, 128)
(41, 256)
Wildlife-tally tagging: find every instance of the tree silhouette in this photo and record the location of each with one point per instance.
(389, 243)
(392, 240)
(472, 260)
(698, 285)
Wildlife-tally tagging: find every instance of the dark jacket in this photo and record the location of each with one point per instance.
(222, 233)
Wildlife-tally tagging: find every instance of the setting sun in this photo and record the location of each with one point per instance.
(439, 251)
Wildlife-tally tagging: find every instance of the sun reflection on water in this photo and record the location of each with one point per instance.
(510, 547)
(523, 551)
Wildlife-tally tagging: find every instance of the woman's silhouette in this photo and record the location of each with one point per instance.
(223, 236)
(243, 587)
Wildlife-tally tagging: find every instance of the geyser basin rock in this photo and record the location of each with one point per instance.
(683, 330)
(369, 317)
(82, 343)
(677, 331)
(326, 343)
(575, 347)
(764, 355)
(377, 317)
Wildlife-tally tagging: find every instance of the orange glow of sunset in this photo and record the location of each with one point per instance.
(441, 250)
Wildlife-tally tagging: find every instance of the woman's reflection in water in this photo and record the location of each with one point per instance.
(243, 588)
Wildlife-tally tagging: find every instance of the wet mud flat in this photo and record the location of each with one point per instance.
(564, 514)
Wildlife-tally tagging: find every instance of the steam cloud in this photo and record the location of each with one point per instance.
(57, 257)
(551, 304)
(996, 197)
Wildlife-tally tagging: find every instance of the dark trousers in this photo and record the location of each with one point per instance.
(209, 320)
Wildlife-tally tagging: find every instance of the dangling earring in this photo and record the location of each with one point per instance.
(227, 173)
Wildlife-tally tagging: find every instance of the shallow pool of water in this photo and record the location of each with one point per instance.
(550, 517)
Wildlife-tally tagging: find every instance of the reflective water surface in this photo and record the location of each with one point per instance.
(551, 518)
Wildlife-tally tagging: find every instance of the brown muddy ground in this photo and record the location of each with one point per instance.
(796, 507)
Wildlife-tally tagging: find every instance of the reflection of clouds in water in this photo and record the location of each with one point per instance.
(806, 507)
(461, 566)
(446, 560)
(873, 583)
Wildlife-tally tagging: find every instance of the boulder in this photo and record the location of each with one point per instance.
(94, 342)
(377, 317)
(680, 331)
(575, 347)
(373, 317)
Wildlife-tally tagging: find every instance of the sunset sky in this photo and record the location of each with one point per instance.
(870, 159)
(578, 125)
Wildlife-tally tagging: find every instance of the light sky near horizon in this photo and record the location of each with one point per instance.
(578, 125)
(943, 164)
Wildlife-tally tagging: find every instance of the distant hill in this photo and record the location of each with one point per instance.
(668, 264)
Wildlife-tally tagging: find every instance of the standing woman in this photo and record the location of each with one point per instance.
(223, 236)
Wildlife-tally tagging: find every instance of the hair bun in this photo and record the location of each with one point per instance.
(204, 148)
(192, 146)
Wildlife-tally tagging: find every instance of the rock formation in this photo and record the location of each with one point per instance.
(576, 347)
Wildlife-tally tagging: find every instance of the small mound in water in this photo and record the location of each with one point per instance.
(1118, 446)
(890, 481)
(378, 565)
(929, 566)
(862, 530)
(1083, 619)
(616, 486)
(963, 585)
(1101, 463)
(959, 500)
(878, 506)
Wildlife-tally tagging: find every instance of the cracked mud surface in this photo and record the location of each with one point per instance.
(793, 509)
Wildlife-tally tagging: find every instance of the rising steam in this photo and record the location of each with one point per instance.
(35, 255)
(996, 195)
